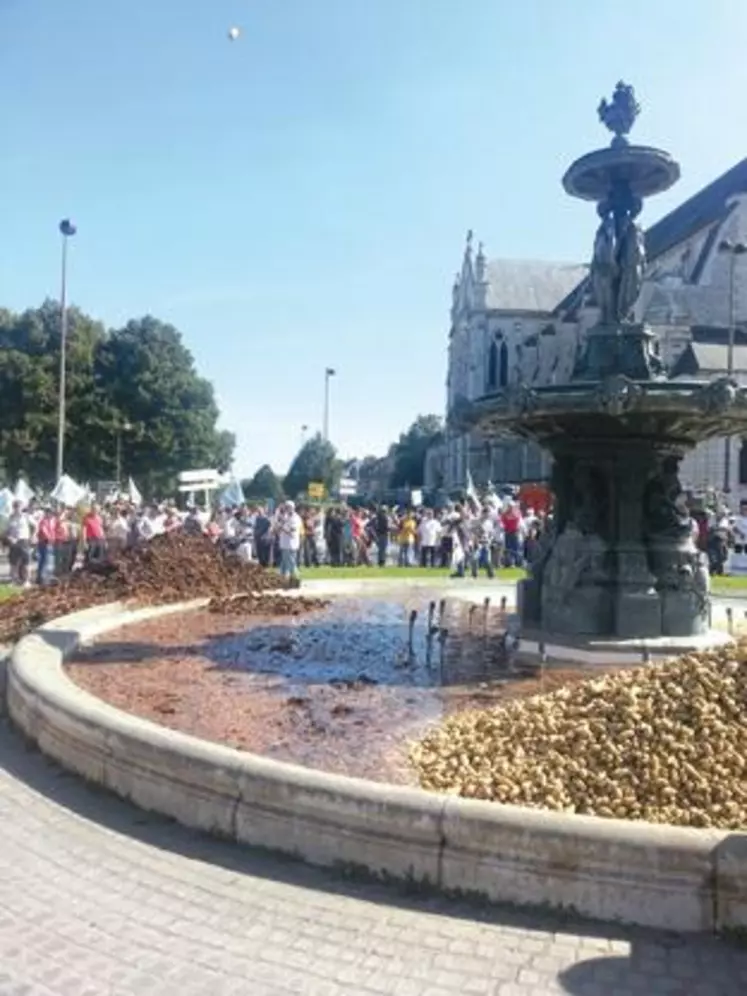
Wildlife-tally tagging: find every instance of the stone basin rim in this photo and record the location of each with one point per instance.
(650, 874)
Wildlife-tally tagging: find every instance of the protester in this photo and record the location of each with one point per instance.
(429, 535)
(46, 537)
(19, 535)
(289, 528)
(93, 535)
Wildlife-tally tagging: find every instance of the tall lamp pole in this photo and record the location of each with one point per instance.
(67, 230)
(733, 250)
(122, 427)
(328, 374)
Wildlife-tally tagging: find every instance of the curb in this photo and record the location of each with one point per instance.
(673, 878)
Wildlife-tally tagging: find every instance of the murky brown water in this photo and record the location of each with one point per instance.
(344, 689)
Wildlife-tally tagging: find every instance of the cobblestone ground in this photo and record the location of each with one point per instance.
(97, 898)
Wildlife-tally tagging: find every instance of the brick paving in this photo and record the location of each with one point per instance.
(97, 898)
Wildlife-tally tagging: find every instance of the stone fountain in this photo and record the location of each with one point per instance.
(620, 561)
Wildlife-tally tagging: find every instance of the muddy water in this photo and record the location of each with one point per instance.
(344, 689)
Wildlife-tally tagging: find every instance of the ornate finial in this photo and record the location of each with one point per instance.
(620, 113)
(469, 240)
(480, 263)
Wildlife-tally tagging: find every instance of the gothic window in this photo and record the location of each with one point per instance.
(492, 366)
(503, 371)
(743, 462)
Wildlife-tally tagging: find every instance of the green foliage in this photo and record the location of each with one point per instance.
(409, 452)
(374, 474)
(315, 461)
(136, 385)
(265, 484)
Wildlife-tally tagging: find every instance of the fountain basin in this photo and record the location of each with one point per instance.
(611, 869)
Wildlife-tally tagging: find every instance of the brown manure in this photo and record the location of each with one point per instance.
(171, 568)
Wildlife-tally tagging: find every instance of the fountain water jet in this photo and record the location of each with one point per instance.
(620, 561)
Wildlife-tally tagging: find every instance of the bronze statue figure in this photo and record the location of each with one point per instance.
(665, 508)
(632, 262)
(604, 270)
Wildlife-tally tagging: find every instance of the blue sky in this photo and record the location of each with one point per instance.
(299, 198)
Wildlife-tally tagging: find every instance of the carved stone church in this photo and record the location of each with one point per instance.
(515, 322)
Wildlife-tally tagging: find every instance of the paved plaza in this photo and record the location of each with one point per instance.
(98, 898)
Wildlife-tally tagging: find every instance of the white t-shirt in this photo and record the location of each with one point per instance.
(119, 528)
(430, 532)
(483, 530)
(148, 528)
(19, 528)
(290, 527)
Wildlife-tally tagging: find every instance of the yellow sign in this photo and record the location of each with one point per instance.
(316, 489)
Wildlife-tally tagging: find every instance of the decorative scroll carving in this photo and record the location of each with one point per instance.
(718, 396)
(617, 394)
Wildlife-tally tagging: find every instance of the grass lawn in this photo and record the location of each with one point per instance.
(389, 573)
(721, 585)
(6, 591)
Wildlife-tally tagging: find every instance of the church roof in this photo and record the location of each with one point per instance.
(706, 206)
(708, 358)
(530, 285)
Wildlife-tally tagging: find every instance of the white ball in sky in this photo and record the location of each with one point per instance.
(233, 33)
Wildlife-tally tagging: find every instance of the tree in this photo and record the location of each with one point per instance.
(133, 390)
(315, 461)
(265, 484)
(409, 451)
(29, 391)
(373, 475)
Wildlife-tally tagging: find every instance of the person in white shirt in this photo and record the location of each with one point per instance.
(19, 534)
(429, 535)
(149, 524)
(483, 533)
(738, 557)
(118, 531)
(290, 530)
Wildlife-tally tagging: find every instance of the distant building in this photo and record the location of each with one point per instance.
(514, 321)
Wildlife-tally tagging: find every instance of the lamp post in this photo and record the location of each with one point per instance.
(122, 427)
(733, 250)
(67, 230)
(328, 374)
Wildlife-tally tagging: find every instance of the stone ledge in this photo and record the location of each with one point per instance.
(668, 877)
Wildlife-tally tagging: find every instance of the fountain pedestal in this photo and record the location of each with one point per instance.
(621, 559)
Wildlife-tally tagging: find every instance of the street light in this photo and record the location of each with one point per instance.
(733, 250)
(67, 230)
(122, 427)
(328, 373)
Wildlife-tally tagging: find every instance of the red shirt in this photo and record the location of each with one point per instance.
(47, 532)
(61, 530)
(511, 522)
(93, 527)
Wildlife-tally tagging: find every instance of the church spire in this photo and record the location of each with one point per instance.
(480, 264)
(468, 273)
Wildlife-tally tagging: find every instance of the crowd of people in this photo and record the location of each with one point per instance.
(46, 543)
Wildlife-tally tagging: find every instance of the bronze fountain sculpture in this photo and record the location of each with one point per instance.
(620, 561)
